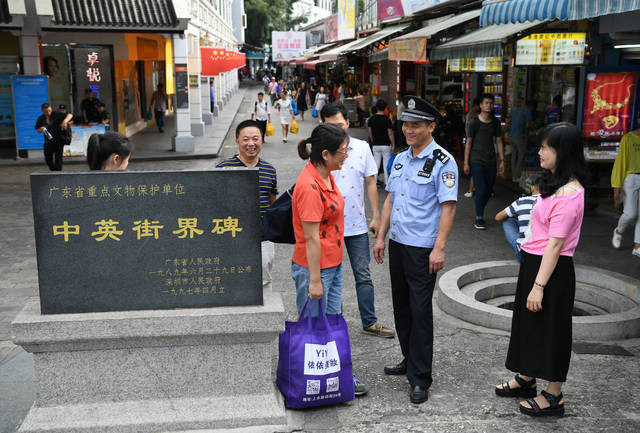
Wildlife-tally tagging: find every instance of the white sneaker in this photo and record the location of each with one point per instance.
(616, 240)
(284, 140)
(468, 194)
(636, 252)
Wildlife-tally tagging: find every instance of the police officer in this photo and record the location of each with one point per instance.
(418, 215)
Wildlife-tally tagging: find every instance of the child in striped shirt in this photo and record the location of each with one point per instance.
(515, 218)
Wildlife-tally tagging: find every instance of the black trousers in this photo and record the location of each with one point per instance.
(263, 126)
(53, 155)
(412, 291)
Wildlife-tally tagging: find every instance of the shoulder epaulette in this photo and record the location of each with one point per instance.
(441, 156)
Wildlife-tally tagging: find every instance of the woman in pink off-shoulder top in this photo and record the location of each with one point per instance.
(540, 344)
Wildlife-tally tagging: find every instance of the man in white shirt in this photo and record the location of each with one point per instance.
(359, 170)
(262, 113)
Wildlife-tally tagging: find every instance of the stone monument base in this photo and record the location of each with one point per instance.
(153, 371)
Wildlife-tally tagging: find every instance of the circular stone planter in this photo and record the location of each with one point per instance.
(473, 292)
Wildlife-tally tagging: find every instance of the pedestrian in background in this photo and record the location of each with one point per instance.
(89, 107)
(540, 343)
(302, 98)
(480, 155)
(320, 101)
(382, 137)
(472, 114)
(358, 174)
(262, 113)
(273, 90)
(53, 126)
(521, 118)
(109, 151)
(418, 215)
(286, 114)
(160, 104)
(249, 142)
(318, 223)
(625, 176)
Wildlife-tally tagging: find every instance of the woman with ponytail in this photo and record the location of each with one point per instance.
(318, 223)
(109, 151)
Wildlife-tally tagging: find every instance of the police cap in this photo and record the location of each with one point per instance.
(62, 107)
(418, 110)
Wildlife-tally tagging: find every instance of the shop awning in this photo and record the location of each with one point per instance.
(136, 15)
(521, 11)
(311, 65)
(379, 56)
(484, 42)
(332, 54)
(310, 53)
(412, 46)
(427, 32)
(377, 36)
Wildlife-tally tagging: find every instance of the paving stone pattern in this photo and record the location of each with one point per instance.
(602, 393)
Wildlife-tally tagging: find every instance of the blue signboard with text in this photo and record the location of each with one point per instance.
(29, 93)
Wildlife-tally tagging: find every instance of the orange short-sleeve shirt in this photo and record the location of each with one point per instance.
(312, 201)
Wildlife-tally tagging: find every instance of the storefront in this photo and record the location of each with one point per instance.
(122, 70)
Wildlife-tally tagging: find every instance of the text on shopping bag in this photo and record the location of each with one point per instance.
(321, 359)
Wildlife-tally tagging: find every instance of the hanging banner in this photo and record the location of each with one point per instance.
(409, 50)
(346, 19)
(331, 29)
(608, 104)
(551, 49)
(212, 60)
(287, 45)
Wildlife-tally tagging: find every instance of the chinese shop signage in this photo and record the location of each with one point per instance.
(93, 71)
(608, 104)
(551, 49)
(475, 64)
(108, 241)
(408, 50)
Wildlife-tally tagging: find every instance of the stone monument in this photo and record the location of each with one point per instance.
(151, 315)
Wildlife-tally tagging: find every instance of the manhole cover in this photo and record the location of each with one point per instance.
(599, 349)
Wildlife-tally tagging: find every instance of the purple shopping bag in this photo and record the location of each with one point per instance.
(314, 365)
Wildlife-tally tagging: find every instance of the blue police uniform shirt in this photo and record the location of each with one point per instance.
(416, 196)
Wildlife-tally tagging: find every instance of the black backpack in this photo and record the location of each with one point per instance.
(277, 222)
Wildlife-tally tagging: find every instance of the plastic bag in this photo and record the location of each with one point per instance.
(149, 114)
(293, 128)
(294, 107)
(269, 131)
(314, 112)
(314, 363)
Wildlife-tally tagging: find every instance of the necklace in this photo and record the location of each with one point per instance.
(600, 104)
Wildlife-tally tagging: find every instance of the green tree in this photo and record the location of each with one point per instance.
(265, 16)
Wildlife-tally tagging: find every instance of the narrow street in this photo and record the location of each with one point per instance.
(602, 392)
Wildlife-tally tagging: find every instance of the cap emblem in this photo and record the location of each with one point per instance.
(411, 104)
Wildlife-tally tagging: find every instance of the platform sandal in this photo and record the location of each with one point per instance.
(527, 388)
(555, 407)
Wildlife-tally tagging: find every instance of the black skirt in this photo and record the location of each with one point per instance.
(540, 344)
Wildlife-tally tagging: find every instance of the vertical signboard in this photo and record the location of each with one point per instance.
(182, 85)
(287, 45)
(92, 67)
(346, 19)
(29, 93)
(608, 104)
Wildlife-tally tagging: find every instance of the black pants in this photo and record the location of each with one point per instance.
(53, 155)
(412, 289)
(263, 126)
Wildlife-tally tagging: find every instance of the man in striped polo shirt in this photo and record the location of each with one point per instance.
(249, 141)
(515, 218)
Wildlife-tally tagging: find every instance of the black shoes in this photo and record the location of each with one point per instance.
(479, 224)
(419, 394)
(397, 369)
